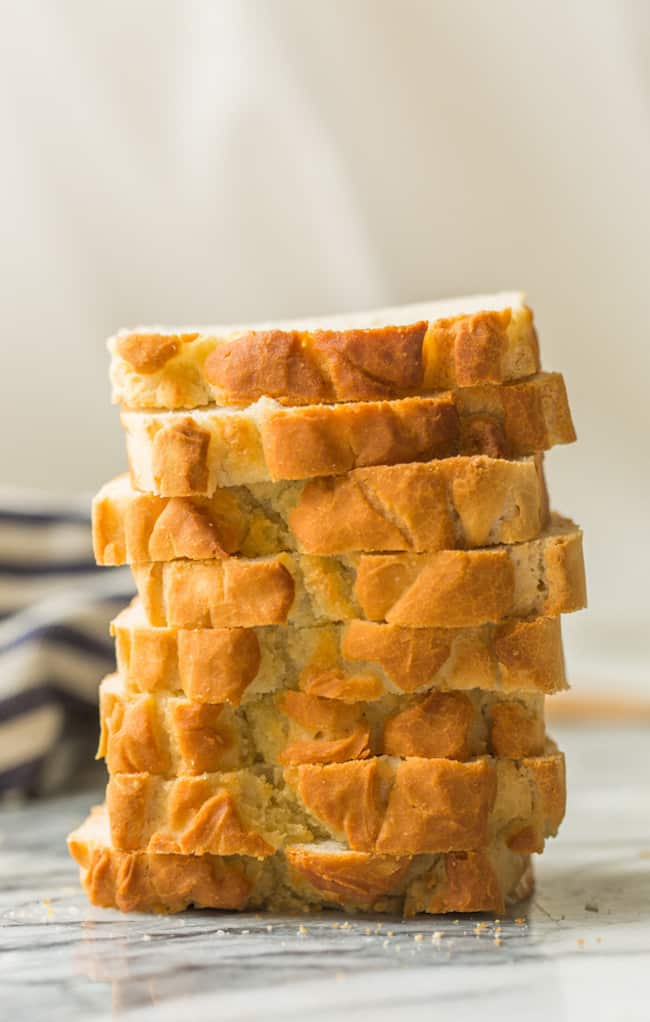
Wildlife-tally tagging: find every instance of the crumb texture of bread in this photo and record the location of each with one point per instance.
(360, 660)
(180, 454)
(382, 354)
(455, 503)
(445, 589)
(382, 804)
(171, 735)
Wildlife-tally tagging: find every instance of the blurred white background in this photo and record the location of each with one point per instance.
(198, 161)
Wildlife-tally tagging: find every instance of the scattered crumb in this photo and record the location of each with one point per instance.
(591, 906)
(302, 930)
(244, 932)
(418, 937)
(456, 922)
(498, 941)
(46, 901)
(345, 925)
(644, 853)
(269, 927)
(390, 933)
(436, 937)
(335, 926)
(386, 943)
(368, 931)
(580, 942)
(520, 921)
(599, 940)
(146, 936)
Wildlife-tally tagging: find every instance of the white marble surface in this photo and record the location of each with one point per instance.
(582, 951)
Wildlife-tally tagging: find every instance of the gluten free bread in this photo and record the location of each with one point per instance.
(178, 454)
(330, 689)
(383, 804)
(171, 735)
(360, 660)
(447, 589)
(383, 354)
(308, 876)
(448, 504)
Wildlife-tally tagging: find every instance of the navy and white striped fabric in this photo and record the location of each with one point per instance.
(55, 610)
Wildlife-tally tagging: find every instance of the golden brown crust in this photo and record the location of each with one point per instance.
(325, 366)
(436, 726)
(449, 589)
(216, 594)
(448, 504)
(418, 805)
(325, 440)
(148, 353)
(355, 878)
(471, 884)
(174, 454)
(436, 350)
(359, 661)
(515, 730)
(302, 876)
(414, 807)
(549, 773)
(179, 455)
(446, 589)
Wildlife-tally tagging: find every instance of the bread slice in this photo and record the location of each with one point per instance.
(357, 661)
(447, 589)
(311, 876)
(386, 353)
(170, 735)
(222, 813)
(392, 806)
(449, 504)
(179, 454)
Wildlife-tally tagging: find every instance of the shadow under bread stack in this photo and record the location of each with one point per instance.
(330, 688)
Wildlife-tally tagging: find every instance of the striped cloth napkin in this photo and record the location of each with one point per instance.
(55, 610)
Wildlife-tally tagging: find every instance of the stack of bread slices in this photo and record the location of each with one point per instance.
(330, 688)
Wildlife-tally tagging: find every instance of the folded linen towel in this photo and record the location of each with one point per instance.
(55, 608)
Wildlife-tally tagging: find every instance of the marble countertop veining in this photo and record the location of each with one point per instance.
(579, 950)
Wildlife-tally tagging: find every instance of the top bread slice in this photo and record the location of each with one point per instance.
(177, 454)
(381, 354)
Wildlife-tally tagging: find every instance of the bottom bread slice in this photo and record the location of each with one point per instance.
(383, 804)
(311, 876)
